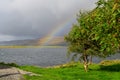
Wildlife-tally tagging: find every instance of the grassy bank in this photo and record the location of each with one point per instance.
(106, 70)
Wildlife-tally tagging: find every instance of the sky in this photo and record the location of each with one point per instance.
(30, 19)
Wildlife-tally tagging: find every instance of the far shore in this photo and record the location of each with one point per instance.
(17, 46)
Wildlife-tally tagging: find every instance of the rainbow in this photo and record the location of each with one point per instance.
(57, 29)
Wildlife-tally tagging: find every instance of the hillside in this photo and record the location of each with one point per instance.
(55, 41)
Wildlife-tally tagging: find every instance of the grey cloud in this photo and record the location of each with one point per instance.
(36, 18)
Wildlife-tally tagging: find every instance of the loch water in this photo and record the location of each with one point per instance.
(45, 56)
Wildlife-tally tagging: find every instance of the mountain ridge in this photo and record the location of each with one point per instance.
(55, 41)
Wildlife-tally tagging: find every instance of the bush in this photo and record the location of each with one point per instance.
(110, 65)
(8, 64)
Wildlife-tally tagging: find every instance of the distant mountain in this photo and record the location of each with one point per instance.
(19, 42)
(55, 41)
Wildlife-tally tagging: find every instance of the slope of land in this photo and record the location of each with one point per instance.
(106, 70)
(55, 41)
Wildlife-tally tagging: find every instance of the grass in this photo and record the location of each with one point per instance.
(106, 70)
(75, 71)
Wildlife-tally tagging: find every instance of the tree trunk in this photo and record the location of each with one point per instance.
(86, 67)
(86, 60)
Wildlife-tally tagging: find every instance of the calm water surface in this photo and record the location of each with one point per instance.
(39, 56)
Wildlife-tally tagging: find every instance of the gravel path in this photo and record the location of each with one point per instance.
(10, 74)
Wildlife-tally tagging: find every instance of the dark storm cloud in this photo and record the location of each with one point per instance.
(36, 18)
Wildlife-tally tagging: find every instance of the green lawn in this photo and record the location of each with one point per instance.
(75, 71)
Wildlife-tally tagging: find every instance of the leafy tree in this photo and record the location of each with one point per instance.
(97, 32)
(80, 41)
(107, 25)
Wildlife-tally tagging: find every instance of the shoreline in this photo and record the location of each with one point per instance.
(15, 47)
(64, 71)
